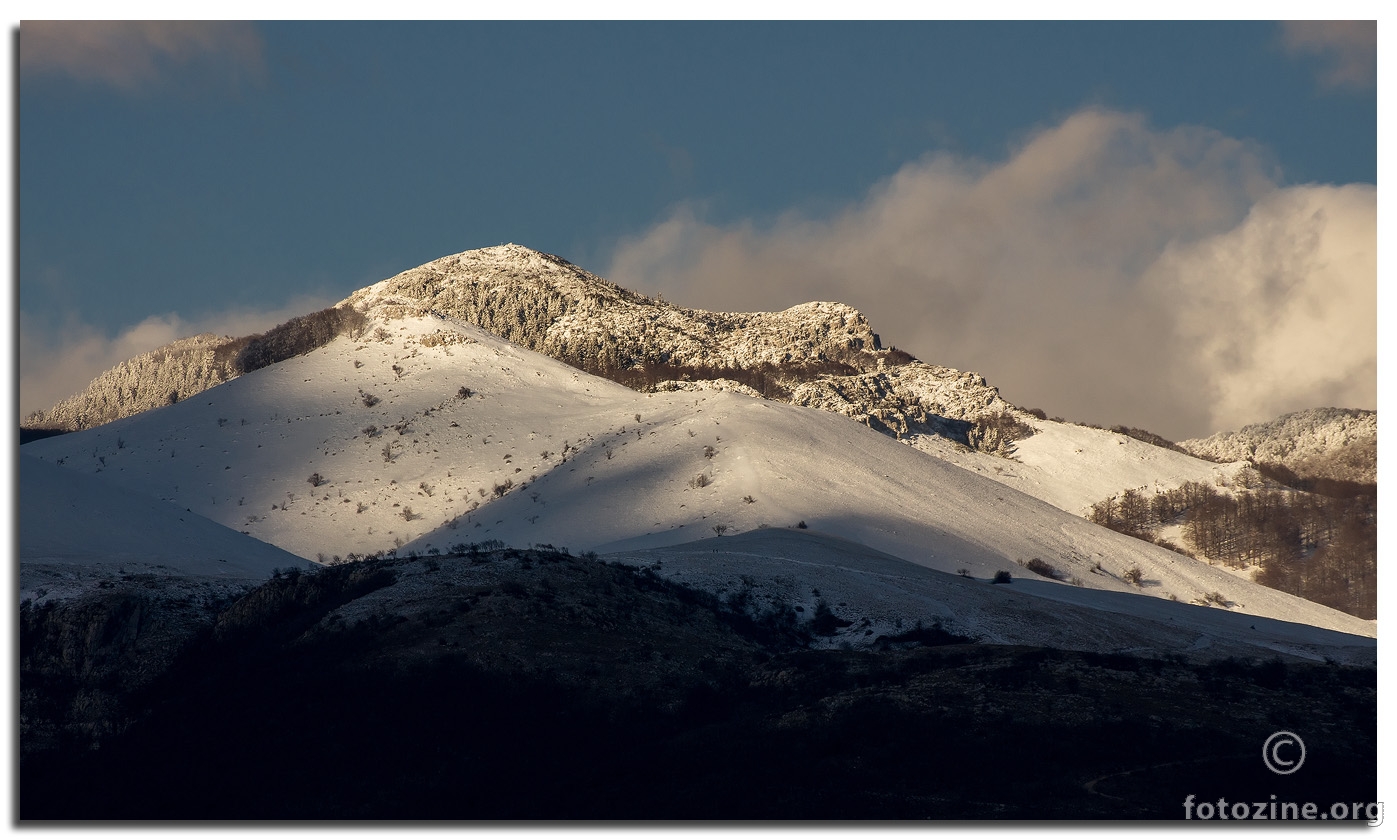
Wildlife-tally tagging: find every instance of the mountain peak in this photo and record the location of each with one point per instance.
(547, 304)
(818, 353)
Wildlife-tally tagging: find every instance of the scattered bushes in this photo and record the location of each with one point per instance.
(316, 479)
(923, 636)
(1042, 567)
(897, 357)
(825, 622)
(1134, 576)
(1002, 576)
(699, 481)
(996, 433)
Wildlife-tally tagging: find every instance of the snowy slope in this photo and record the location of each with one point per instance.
(884, 595)
(72, 523)
(1072, 467)
(585, 473)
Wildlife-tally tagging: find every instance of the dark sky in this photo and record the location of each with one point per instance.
(177, 178)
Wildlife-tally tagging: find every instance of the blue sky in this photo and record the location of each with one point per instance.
(224, 177)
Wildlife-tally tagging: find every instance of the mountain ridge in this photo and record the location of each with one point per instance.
(820, 354)
(184, 367)
(547, 304)
(1332, 443)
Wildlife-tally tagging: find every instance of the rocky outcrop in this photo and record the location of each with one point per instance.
(551, 306)
(820, 354)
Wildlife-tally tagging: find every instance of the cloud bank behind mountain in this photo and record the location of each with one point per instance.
(1106, 271)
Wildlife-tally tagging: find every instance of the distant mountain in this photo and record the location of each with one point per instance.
(166, 374)
(1320, 443)
(818, 354)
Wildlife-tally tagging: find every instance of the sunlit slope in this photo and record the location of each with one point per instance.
(402, 456)
(1073, 467)
(243, 453)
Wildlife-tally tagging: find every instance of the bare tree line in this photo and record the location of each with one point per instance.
(1319, 547)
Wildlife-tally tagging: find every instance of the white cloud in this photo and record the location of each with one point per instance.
(1044, 271)
(135, 55)
(1281, 312)
(1349, 49)
(56, 362)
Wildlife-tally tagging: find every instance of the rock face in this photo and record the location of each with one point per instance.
(819, 354)
(916, 397)
(825, 354)
(548, 305)
(1334, 443)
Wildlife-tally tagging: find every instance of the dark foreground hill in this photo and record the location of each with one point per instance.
(536, 685)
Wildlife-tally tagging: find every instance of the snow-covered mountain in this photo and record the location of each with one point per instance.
(426, 432)
(1336, 443)
(164, 375)
(546, 304)
(823, 355)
